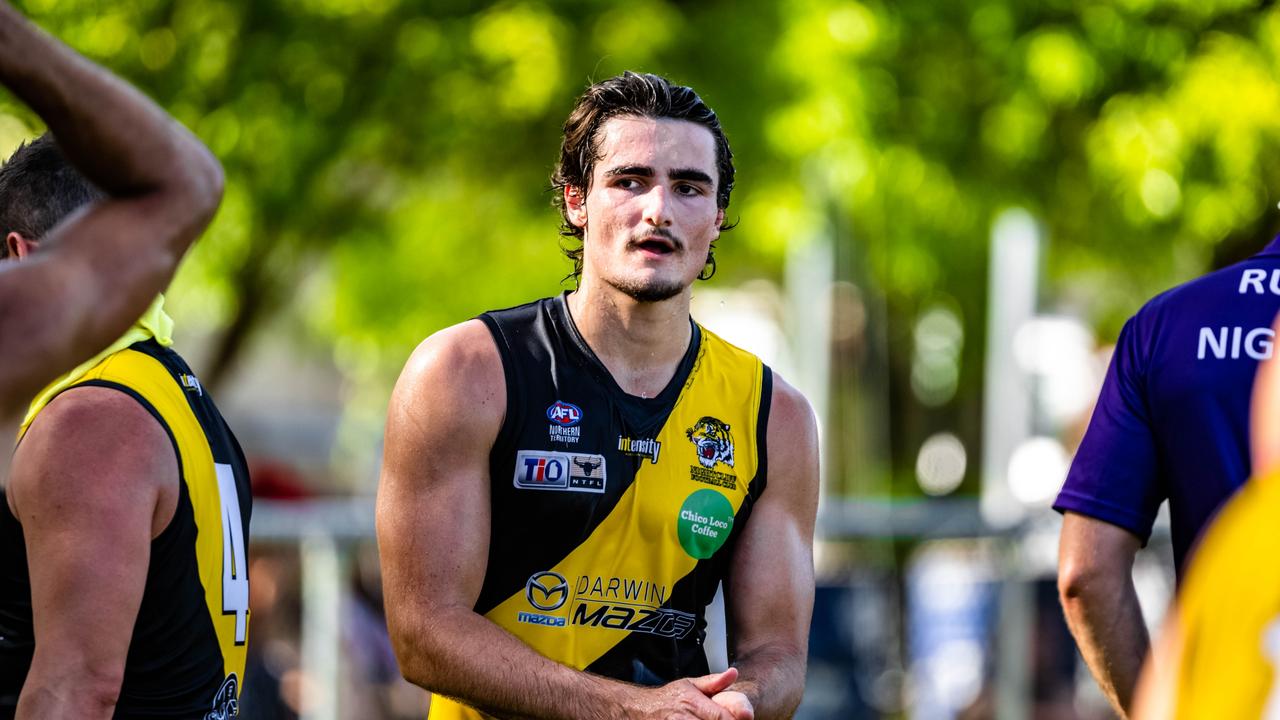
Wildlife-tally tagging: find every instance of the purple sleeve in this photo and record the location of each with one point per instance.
(1114, 475)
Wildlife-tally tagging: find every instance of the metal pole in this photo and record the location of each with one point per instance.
(322, 574)
(1013, 646)
(810, 272)
(1007, 405)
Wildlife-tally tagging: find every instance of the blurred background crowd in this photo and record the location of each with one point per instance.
(947, 210)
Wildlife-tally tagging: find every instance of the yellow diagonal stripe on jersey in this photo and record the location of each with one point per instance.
(639, 540)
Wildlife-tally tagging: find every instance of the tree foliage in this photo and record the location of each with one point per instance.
(388, 160)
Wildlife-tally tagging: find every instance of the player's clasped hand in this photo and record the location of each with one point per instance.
(738, 705)
(700, 698)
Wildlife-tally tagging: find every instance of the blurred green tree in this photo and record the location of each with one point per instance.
(388, 159)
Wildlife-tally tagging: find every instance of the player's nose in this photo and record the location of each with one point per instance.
(657, 206)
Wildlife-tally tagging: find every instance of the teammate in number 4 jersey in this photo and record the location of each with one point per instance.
(128, 510)
(549, 552)
(123, 576)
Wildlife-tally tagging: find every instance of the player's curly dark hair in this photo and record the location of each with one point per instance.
(640, 95)
(38, 188)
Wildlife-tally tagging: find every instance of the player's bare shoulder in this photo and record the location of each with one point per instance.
(93, 440)
(464, 354)
(95, 422)
(792, 438)
(791, 420)
(454, 380)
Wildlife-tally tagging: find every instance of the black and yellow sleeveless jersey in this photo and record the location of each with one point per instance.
(186, 657)
(614, 517)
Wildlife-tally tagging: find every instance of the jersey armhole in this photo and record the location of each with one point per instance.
(240, 468)
(177, 454)
(510, 373)
(761, 479)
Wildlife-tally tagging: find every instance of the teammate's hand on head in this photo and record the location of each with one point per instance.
(736, 703)
(686, 699)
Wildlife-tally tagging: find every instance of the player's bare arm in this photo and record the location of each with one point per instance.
(1095, 584)
(164, 187)
(433, 531)
(769, 592)
(89, 510)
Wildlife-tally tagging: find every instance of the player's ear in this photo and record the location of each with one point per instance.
(575, 205)
(17, 246)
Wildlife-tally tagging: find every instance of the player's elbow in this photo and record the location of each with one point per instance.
(203, 182)
(414, 653)
(409, 658)
(419, 668)
(777, 672)
(1081, 581)
(186, 188)
(87, 692)
(789, 700)
(101, 696)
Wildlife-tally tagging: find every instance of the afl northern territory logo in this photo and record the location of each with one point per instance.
(564, 414)
(546, 590)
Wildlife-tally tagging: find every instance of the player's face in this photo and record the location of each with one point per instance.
(650, 215)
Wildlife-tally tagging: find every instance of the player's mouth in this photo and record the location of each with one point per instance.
(655, 245)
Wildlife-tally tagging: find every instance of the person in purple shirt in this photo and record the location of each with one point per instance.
(1171, 424)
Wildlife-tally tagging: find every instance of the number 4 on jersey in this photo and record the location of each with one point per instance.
(235, 566)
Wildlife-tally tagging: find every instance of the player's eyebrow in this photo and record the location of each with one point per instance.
(691, 175)
(637, 170)
(686, 174)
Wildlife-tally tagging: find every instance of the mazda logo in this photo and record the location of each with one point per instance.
(547, 590)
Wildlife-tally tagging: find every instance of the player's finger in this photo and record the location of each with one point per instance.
(715, 682)
(736, 703)
(708, 710)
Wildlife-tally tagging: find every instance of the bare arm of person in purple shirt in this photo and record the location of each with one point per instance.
(1095, 583)
(1107, 505)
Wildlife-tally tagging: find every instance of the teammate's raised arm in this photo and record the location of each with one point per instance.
(106, 263)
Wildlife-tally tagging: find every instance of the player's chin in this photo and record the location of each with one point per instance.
(657, 293)
(651, 288)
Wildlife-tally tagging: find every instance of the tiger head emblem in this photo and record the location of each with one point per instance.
(713, 441)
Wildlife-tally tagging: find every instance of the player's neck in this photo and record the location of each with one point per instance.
(640, 343)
